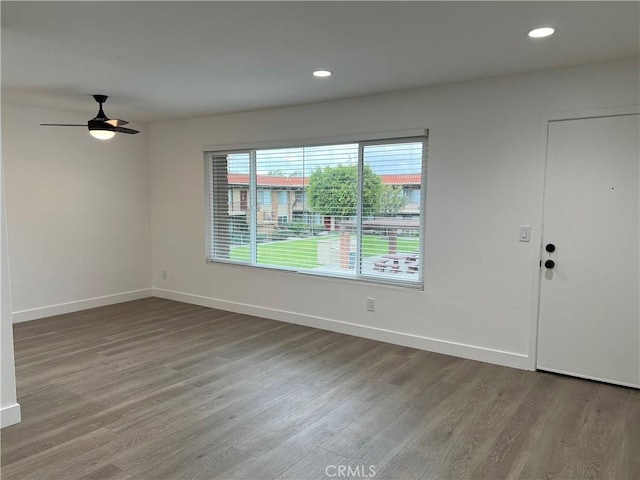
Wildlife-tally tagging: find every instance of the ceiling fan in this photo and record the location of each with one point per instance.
(101, 126)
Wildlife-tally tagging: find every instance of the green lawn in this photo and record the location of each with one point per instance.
(303, 253)
(373, 245)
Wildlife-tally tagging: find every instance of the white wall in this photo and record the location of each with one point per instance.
(78, 214)
(485, 172)
(9, 408)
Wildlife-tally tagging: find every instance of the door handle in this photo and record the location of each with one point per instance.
(549, 264)
(550, 247)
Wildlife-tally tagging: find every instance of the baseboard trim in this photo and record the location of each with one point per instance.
(472, 352)
(10, 415)
(59, 309)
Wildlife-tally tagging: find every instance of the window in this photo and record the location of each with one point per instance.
(356, 209)
(413, 195)
(243, 200)
(264, 197)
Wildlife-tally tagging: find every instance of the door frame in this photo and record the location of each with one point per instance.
(543, 136)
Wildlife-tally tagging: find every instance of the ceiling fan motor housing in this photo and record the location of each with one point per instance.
(100, 124)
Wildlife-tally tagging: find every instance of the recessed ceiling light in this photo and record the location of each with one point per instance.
(322, 73)
(541, 32)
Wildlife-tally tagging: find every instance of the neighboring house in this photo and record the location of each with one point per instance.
(282, 199)
(410, 183)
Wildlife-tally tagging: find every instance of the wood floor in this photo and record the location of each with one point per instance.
(156, 389)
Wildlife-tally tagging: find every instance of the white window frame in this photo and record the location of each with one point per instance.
(419, 135)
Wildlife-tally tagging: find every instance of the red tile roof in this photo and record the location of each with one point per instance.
(291, 182)
(401, 179)
(268, 180)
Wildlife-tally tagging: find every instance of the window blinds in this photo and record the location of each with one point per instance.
(349, 210)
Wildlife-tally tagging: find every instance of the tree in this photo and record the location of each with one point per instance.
(334, 191)
(392, 199)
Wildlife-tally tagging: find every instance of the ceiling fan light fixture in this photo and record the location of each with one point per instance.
(100, 129)
(102, 134)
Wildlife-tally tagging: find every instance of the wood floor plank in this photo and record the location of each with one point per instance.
(208, 432)
(215, 462)
(81, 418)
(157, 389)
(369, 432)
(592, 435)
(314, 465)
(471, 429)
(406, 464)
(74, 457)
(628, 462)
(337, 407)
(519, 435)
(108, 472)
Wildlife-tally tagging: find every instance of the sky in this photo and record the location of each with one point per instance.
(302, 161)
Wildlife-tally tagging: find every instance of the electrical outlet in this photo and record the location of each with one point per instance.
(371, 304)
(165, 274)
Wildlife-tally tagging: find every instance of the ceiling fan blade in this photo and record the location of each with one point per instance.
(63, 125)
(116, 122)
(126, 130)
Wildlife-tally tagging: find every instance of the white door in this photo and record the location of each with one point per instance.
(589, 324)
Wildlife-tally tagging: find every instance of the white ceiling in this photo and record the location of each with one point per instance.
(161, 60)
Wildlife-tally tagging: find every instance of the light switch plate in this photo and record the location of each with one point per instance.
(525, 233)
(371, 304)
